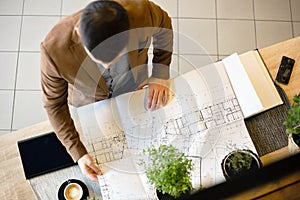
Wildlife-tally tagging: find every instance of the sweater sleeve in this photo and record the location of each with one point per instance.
(162, 42)
(55, 93)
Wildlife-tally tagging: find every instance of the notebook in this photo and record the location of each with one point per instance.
(251, 82)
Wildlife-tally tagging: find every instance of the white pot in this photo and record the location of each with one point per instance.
(292, 146)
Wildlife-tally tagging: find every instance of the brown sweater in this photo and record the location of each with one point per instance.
(69, 76)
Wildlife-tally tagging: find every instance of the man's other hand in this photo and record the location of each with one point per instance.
(158, 93)
(88, 167)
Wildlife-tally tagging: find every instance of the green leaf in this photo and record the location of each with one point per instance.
(293, 120)
(168, 169)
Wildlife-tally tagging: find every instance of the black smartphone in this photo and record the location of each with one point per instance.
(285, 70)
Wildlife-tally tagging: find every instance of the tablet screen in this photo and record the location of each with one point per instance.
(43, 154)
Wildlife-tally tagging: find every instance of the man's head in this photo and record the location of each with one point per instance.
(104, 29)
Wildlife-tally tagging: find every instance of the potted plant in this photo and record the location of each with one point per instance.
(238, 162)
(293, 125)
(168, 170)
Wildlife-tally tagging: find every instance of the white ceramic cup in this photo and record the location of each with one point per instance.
(73, 191)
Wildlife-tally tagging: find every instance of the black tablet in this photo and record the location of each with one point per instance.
(43, 154)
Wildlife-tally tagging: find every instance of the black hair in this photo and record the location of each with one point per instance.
(104, 29)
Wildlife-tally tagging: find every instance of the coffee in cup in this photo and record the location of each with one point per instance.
(73, 191)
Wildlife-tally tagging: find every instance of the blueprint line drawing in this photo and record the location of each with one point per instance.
(106, 149)
(204, 122)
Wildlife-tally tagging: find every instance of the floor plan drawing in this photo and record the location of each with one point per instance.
(106, 149)
(204, 122)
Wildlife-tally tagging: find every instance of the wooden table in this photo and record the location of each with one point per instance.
(272, 57)
(14, 186)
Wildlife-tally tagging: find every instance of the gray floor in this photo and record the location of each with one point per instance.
(218, 27)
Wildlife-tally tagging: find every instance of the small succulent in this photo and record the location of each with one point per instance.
(239, 161)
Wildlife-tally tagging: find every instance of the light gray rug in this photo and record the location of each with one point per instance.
(47, 186)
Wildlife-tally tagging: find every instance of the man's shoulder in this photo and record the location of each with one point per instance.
(136, 6)
(61, 35)
(142, 12)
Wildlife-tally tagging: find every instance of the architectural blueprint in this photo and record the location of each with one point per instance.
(203, 119)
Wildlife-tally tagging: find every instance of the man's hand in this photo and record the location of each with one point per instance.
(158, 92)
(88, 167)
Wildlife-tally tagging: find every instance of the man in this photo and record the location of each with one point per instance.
(99, 53)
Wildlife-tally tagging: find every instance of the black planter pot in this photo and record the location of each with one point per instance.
(230, 173)
(294, 143)
(296, 138)
(162, 196)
